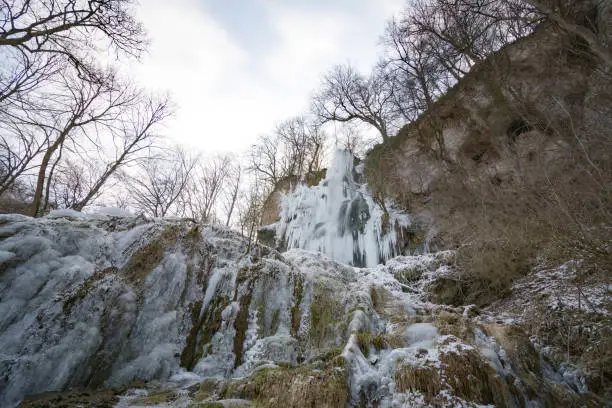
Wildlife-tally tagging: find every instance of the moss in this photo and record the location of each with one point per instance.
(275, 322)
(379, 342)
(188, 354)
(205, 390)
(376, 298)
(85, 288)
(100, 399)
(241, 324)
(363, 341)
(451, 323)
(294, 387)
(156, 399)
(203, 329)
(193, 235)
(329, 355)
(296, 315)
(261, 326)
(206, 405)
(324, 312)
(148, 257)
(408, 276)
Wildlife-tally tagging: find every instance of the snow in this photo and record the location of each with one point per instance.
(68, 213)
(339, 218)
(112, 212)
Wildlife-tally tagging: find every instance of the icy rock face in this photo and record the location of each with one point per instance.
(340, 218)
(99, 301)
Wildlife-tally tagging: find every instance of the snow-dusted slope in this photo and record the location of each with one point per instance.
(340, 219)
(103, 301)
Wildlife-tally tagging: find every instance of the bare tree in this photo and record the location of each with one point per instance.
(347, 96)
(579, 18)
(39, 37)
(301, 142)
(205, 185)
(250, 206)
(21, 142)
(232, 189)
(54, 26)
(265, 158)
(157, 183)
(136, 133)
(106, 111)
(413, 69)
(469, 30)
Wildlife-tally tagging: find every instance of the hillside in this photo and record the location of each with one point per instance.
(111, 311)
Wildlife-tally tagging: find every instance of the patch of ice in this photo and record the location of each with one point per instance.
(112, 212)
(421, 335)
(6, 256)
(66, 213)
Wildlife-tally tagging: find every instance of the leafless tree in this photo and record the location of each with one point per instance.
(250, 206)
(413, 69)
(294, 149)
(469, 30)
(110, 111)
(157, 183)
(55, 26)
(302, 142)
(265, 158)
(232, 190)
(350, 137)
(575, 17)
(348, 96)
(136, 133)
(202, 192)
(39, 37)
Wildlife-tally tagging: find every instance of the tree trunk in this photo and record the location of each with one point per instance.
(40, 182)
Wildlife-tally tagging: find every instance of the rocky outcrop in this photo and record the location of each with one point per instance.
(130, 311)
(513, 120)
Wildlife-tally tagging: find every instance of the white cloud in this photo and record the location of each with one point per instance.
(227, 95)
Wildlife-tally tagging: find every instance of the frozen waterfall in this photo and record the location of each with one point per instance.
(340, 218)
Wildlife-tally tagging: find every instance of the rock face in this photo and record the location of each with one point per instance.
(170, 313)
(339, 218)
(512, 122)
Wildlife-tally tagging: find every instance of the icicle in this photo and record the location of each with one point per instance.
(339, 218)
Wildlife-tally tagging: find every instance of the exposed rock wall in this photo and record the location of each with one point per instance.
(515, 117)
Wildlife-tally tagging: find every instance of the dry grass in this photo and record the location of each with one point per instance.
(299, 387)
(425, 380)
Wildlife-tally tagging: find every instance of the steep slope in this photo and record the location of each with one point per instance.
(174, 314)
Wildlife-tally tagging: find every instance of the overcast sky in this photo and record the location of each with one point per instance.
(235, 68)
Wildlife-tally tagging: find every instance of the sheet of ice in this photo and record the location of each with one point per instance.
(340, 218)
(421, 335)
(112, 212)
(66, 213)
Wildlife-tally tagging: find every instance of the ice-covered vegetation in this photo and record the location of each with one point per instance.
(171, 313)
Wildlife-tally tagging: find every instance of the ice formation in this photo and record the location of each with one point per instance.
(102, 301)
(340, 218)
